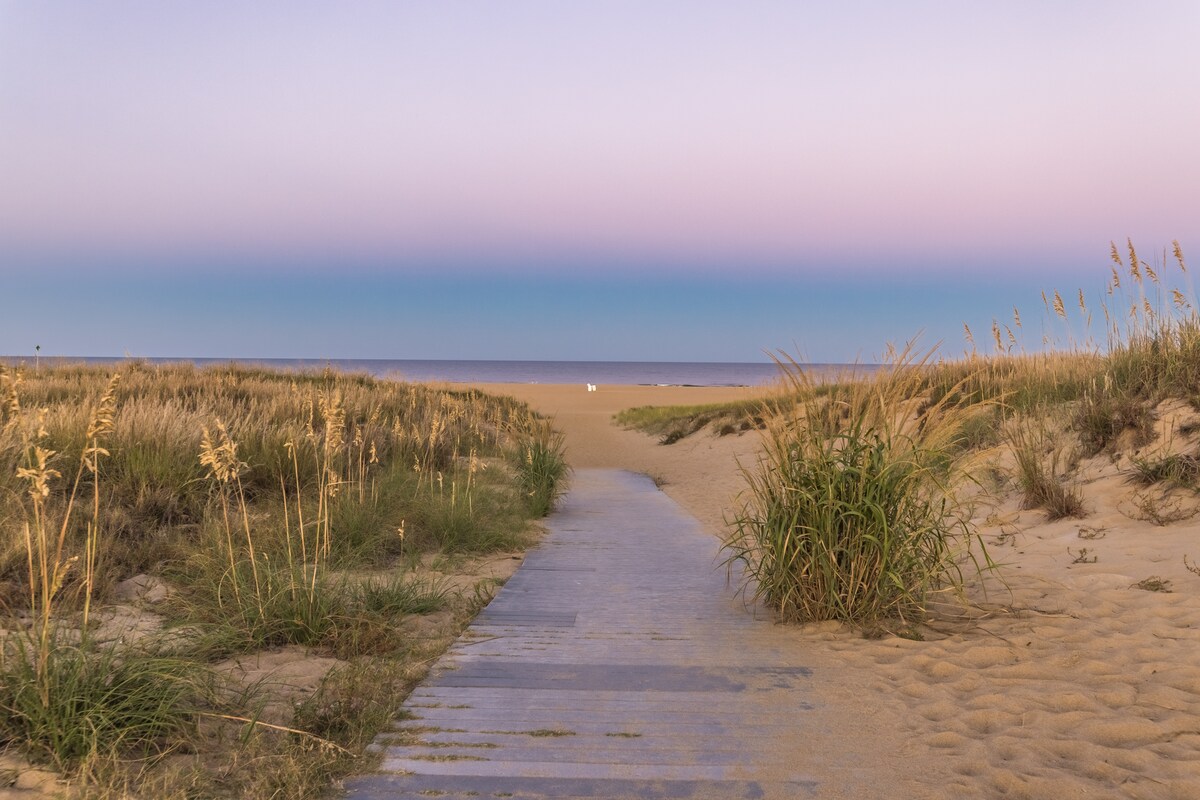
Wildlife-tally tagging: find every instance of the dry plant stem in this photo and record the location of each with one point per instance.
(258, 723)
(299, 505)
(229, 545)
(249, 539)
(287, 526)
(90, 549)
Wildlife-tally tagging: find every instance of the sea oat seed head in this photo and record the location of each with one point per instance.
(40, 474)
(101, 424)
(1133, 262)
(219, 454)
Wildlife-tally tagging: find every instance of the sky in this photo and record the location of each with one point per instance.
(652, 180)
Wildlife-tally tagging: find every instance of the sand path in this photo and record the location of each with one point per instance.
(699, 472)
(616, 664)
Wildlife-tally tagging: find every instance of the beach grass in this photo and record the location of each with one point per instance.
(1041, 470)
(253, 495)
(77, 701)
(850, 513)
(853, 512)
(541, 469)
(673, 423)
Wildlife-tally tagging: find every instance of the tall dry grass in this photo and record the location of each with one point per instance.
(249, 490)
(318, 458)
(63, 696)
(852, 512)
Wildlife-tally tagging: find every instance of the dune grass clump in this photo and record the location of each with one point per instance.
(851, 515)
(1174, 469)
(400, 595)
(1041, 469)
(541, 467)
(78, 699)
(674, 423)
(1101, 417)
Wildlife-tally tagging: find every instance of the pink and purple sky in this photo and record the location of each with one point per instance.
(671, 180)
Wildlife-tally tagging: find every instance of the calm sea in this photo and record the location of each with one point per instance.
(649, 373)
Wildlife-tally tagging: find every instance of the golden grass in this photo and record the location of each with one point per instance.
(245, 489)
(852, 511)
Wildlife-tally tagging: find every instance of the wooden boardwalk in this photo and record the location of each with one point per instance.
(615, 664)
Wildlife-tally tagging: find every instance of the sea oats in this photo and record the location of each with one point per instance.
(333, 415)
(220, 455)
(1133, 263)
(39, 473)
(101, 424)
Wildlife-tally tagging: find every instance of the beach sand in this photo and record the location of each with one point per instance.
(1077, 679)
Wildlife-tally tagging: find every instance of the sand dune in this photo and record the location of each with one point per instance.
(1079, 678)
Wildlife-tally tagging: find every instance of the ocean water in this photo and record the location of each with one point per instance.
(646, 373)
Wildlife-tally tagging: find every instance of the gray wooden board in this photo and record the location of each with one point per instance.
(616, 663)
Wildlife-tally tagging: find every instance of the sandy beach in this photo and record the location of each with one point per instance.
(1080, 678)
